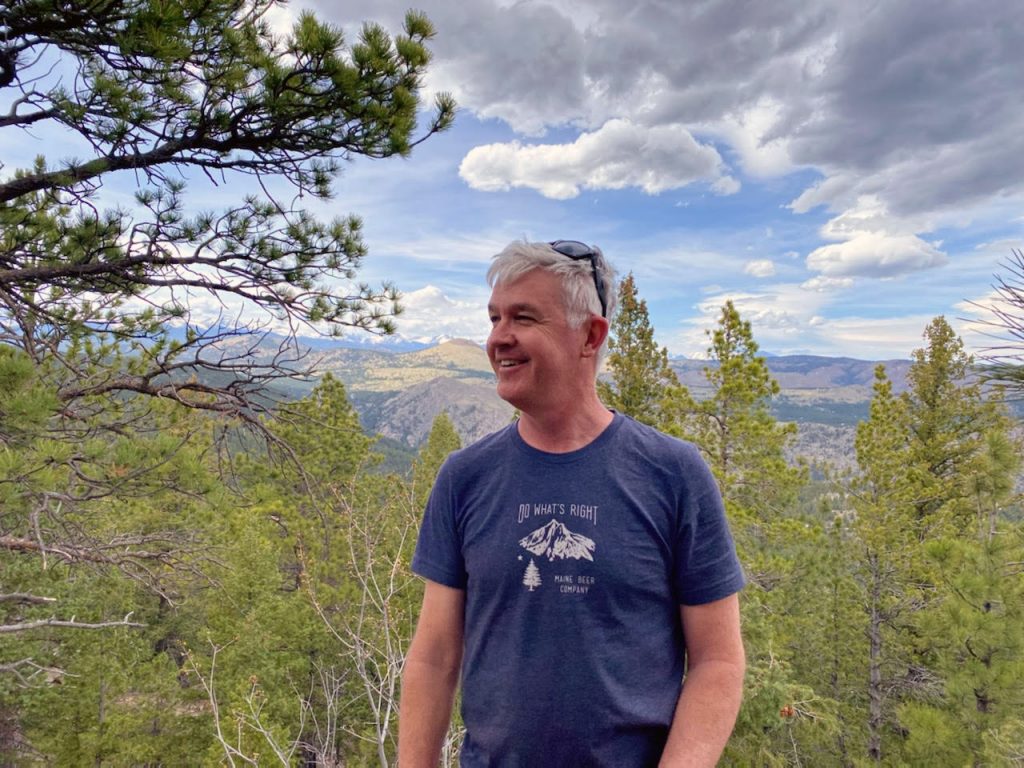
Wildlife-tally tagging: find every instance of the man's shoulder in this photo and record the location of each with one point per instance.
(650, 441)
(484, 449)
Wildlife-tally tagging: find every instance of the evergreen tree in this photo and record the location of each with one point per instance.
(120, 402)
(1003, 360)
(162, 88)
(95, 302)
(442, 440)
(642, 382)
(741, 440)
(884, 557)
(936, 464)
(951, 423)
(975, 646)
(745, 448)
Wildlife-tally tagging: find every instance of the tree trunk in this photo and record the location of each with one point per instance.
(875, 695)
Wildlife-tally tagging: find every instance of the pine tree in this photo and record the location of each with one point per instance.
(97, 300)
(975, 645)
(884, 560)
(745, 448)
(952, 425)
(936, 463)
(121, 401)
(1003, 359)
(442, 440)
(162, 88)
(741, 440)
(642, 382)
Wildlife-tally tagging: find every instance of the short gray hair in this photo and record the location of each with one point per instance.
(578, 290)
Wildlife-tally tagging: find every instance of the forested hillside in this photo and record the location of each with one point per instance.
(195, 569)
(884, 619)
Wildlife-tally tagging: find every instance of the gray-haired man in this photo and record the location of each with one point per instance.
(577, 562)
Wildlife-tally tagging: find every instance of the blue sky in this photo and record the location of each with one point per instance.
(843, 171)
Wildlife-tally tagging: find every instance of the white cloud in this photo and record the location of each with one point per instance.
(620, 154)
(868, 215)
(875, 255)
(782, 327)
(984, 325)
(874, 338)
(760, 268)
(849, 90)
(781, 318)
(726, 185)
(872, 244)
(750, 133)
(210, 310)
(281, 19)
(429, 313)
(820, 283)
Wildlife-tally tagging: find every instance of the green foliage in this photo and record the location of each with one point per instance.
(161, 89)
(147, 540)
(442, 440)
(642, 383)
(883, 625)
(936, 464)
(743, 443)
(973, 639)
(951, 428)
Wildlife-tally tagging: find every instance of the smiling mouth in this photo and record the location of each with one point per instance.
(510, 363)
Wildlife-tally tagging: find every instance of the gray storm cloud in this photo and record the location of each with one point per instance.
(916, 104)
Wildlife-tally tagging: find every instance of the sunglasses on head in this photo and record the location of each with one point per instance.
(576, 250)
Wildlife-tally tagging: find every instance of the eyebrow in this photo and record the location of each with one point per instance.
(517, 307)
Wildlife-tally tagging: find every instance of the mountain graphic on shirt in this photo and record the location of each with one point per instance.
(558, 543)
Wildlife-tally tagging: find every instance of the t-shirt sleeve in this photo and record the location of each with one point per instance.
(706, 565)
(438, 555)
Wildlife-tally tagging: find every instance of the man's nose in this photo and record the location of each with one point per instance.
(500, 335)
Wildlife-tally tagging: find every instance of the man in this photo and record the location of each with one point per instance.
(573, 560)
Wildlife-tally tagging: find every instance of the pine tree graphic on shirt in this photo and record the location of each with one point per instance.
(558, 543)
(531, 578)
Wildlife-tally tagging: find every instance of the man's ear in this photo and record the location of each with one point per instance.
(597, 332)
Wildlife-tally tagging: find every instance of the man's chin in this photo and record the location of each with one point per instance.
(511, 395)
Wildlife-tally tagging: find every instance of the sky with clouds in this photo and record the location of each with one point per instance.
(842, 170)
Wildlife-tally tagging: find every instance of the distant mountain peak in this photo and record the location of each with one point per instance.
(460, 343)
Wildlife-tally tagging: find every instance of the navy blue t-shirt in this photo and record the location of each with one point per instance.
(574, 567)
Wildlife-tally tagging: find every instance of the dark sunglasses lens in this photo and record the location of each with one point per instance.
(574, 249)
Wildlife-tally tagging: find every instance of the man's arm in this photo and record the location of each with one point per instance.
(430, 677)
(707, 708)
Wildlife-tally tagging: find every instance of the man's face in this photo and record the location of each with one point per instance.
(533, 351)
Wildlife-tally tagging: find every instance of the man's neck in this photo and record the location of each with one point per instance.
(564, 432)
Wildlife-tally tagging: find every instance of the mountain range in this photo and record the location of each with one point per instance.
(398, 393)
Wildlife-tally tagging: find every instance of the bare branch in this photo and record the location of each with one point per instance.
(25, 626)
(26, 671)
(251, 719)
(24, 598)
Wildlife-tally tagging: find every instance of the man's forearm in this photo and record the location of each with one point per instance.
(425, 713)
(705, 715)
